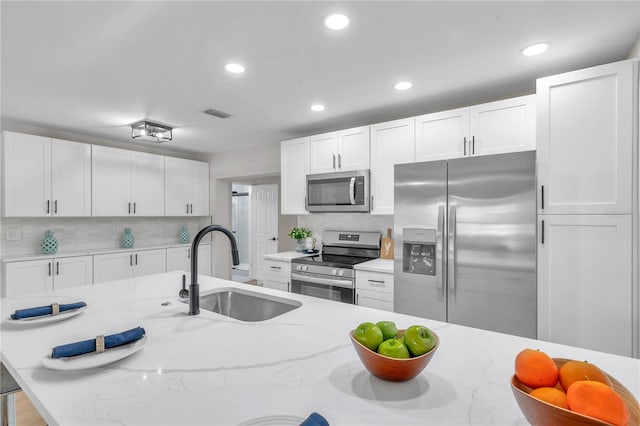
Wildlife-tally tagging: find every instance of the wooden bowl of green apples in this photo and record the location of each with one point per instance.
(392, 354)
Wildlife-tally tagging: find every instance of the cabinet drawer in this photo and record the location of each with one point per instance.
(374, 299)
(374, 281)
(278, 268)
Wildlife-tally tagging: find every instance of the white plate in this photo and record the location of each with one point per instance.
(274, 421)
(44, 319)
(91, 360)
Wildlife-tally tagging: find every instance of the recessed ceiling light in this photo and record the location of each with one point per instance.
(235, 68)
(535, 49)
(403, 85)
(317, 107)
(336, 22)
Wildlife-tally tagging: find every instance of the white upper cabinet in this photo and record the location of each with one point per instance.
(585, 130)
(126, 183)
(45, 177)
(391, 143)
(490, 128)
(340, 151)
(294, 163)
(186, 187)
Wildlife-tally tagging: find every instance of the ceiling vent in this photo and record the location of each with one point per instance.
(216, 113)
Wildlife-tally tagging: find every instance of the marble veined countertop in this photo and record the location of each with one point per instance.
(211, 369)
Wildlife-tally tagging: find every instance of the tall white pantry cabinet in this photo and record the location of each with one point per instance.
(587, 140)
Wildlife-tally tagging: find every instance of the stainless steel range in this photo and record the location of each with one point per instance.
(330, 275)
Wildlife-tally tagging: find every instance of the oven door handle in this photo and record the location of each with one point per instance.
(320, 280)
(352, 190)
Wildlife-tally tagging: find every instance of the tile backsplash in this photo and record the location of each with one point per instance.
(318, 222)
(94, 233)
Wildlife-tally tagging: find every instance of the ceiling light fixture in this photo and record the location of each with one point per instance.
(235, 68)
(317, 107)
(535, 49)
(403, 85)
(151, 131)
(336, 22)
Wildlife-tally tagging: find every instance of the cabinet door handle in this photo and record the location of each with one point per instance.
(58, 268)
(187, 208)
(55, 206)
(188, 253)
(48, 206)
(473, 145)
(371, 202)
(275, 267)
(130, 260)
(357, 298)
(191, 208)
(136, 258)
(49, 265)
(340, 161)
(542, 197)
(134, 208)
(334, 161)
(377, 281)
(542, 233)
(464, 145)
(129, 208)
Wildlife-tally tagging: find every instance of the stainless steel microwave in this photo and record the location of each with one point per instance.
(338, 192)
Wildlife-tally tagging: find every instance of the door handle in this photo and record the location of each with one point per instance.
(49, 265)
(136, 258)
(542, 232)
(451, 273)
(352, 190)
(191, 208)
(187, 208)
(542, 197)
(440, 259)
(57, 268)
(334, 161)
(48, 206)
(55, 206)
(371, 202)
(188, 253)
(340, 161)
(134, 208)
(129, 207)
(464, 145)
(473, 145)
(130, 260)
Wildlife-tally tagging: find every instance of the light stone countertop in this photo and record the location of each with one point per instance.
(287, 255)
(211, 369)
(25, 257)
(377, 265)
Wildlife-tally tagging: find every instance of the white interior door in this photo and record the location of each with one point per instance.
(264, 225)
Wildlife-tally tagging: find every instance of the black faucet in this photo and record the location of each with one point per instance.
(194, 288)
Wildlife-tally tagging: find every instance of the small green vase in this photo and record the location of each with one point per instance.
(127, 239)
(49, 243)
(183, 235)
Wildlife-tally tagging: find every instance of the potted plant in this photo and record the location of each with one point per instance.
(299, 234)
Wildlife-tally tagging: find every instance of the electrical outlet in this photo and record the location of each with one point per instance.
(14, 234)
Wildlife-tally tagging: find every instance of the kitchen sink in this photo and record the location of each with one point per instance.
(246, 305)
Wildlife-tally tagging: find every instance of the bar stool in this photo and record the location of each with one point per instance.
(8, 387)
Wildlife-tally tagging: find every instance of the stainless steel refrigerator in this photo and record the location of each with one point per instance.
(465, 241)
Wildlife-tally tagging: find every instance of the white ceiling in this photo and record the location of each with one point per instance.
(93, 68)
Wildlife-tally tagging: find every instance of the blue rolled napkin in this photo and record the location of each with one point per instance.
(88, 346)
(315, 419)
(44, 310)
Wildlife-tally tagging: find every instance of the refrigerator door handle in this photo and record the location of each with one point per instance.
(440, 258)
(452, 249)
(352, 188)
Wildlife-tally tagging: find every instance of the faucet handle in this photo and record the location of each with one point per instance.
(184, 293)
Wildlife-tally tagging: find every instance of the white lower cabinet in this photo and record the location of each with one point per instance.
(35, 276)
(179, 259)
(374, 290)
(585, 286)
(277, 274)
(118, 266)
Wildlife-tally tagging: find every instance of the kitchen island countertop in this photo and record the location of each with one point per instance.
(211, 369)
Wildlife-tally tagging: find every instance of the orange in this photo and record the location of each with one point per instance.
(572, 371)
(597, 400)
(552, 396)
(536, 369)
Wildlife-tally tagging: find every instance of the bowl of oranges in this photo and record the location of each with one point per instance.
(563, 392)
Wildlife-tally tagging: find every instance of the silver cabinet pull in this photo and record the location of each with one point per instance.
(49, 265)
(452, 249)
(187, 208)
(464, 145)
(129, 207)
(48, 202)
(542, 233)
(473, 145)
(136, 258)
(134, 208)
(542, 197)
(57, 268)
(377, 282)
(55, 206)
(275, 267)
(334, 161)
(340, 161)
(130, 260)
(191, 208)
(440, 259)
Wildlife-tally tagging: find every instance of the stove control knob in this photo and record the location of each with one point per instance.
(305, 267)
(340, 272)
(334, 272)
(298, 267)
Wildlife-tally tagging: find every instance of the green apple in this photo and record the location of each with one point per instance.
(419, 339)
(369, 335)
(389, 329)
(393, 348)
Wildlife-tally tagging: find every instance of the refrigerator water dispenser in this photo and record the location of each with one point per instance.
(419, 251)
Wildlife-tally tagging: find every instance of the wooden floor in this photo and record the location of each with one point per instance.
(26, 414)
